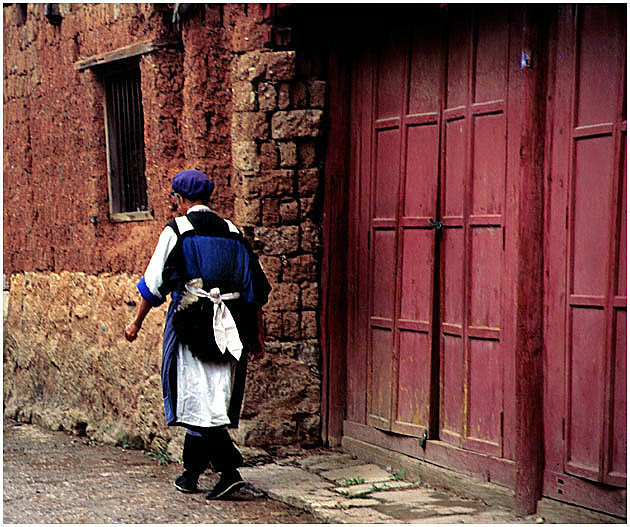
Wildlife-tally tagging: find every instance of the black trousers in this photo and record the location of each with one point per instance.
(205, 446)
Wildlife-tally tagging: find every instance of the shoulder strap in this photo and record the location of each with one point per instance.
(181, 225)
(231, 226)
(184, 225)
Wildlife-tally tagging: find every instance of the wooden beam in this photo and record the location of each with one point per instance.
(529, 338)
(333, 317)
(132, 50)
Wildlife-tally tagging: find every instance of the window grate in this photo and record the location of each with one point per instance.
(125, 139)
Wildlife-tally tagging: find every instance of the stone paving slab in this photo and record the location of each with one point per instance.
(314, 462)
(355, 516)
(358, 502)
(415, 496)
(331, 462)
(364, 473)
(312, 484)
(293, 486)
(364, 489)
(304, 485)
(274, 476)
(481, 518)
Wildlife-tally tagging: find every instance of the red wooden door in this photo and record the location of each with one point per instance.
(405, 151)
(473, 355)
(585, 334)
(430, 142)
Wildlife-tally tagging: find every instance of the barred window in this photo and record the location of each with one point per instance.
(124, 124)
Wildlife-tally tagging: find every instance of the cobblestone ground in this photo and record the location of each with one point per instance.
(53, 477)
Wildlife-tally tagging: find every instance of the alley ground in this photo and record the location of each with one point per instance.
(54, 477)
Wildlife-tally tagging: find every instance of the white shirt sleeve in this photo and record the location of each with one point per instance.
(149, 285)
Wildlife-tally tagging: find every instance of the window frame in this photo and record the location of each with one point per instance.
(107, 72)
(100, 64)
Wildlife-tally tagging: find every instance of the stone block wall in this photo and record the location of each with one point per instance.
(277, 128)
(250, 116)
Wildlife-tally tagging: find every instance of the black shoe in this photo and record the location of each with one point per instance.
(187, 483)
(228, 484)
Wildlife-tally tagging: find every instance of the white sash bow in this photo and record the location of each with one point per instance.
(225, 331)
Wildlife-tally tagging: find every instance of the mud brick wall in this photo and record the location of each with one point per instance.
(218, 99)
(55, 167)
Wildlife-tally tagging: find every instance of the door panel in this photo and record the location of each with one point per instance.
(423, 147)
(385, 124)
(454, 169)
(490, 57)
(591, 233)
(414, 390)
(459, 49)
(380, 396)
(616, 469)
(452, 374)
(485, 281)
(474, 183)
(488, 183)
(598, 33)
(594, 185)
(383, 279)
(584, 436)
(387, 173)
(484, 421)
(586, 316)
(417, 278)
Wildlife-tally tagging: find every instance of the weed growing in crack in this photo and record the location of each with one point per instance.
(160, 454)
(351, 481)
(397, 476)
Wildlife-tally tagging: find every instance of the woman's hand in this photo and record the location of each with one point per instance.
(132, 330)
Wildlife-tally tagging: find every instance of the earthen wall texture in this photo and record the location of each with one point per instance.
(218, 99)
(55, 167)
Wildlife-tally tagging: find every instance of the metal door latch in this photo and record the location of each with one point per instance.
(437, 225)
(423, 439)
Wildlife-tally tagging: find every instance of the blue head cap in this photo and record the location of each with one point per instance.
(193, 185)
